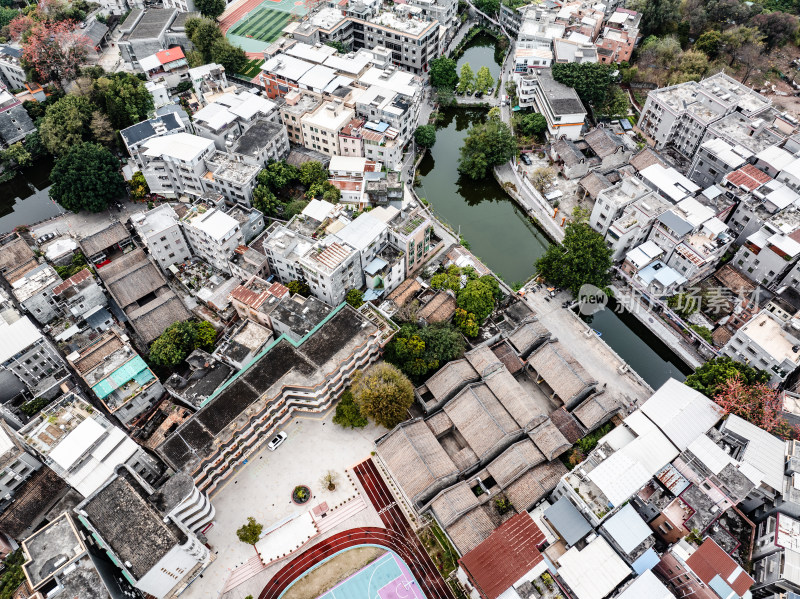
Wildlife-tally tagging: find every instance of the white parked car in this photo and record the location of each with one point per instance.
(276, 442)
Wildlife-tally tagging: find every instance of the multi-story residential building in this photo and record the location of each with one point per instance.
(230, 115)
(174, 165)
(181, 5)
(411, 231)
(251, 222)
(768, 254)
(162, 235)
(59, 563)
(296, 106)
(367, 234)
(75, 440)
(230, 176)
(331, 269)
(15, 124)
(285, 244)
(164, 556)
(349, 175)
(212, 234)
(136, 136)
(32, 358)
(329, 354)
(714, 159)
(668, 182)
(527, 59)
(569, 50)
(208, 81)
(16, 465)
(13, 75)
(767, 343)
(611, 202)
(631, 229)
(79, 295)
(560, 104)
(256, 299)
(321, 128)
(263, 142)
(681, 114)
(34, 292)
(118, 376)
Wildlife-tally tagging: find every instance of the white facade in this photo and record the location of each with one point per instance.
(162, 236)
(331, 269)
(213, 235)
(321, 128)
(767, 343)
(174, 165)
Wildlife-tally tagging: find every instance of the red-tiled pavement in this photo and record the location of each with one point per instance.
(397, 536)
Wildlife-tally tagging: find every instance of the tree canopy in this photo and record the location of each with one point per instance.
(711, 377)
(210, 8)
(466, 79)
(591, 80)
(486, 145)
(86, 177)
(212, 46)
(383, 393)
(583, 258)
(66, 124)
(250, 532)
(179, 340)
(532, 124)
(418, 351)
(443, 73)
(347, 413)
(425, 135)
(355, 297)
(478, 297)
(300, 287)
(483, 80)
(312, 172)
(124, 98)
(54, 51)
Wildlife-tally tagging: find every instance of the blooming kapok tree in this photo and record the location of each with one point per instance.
(56, 50)
(758, 403)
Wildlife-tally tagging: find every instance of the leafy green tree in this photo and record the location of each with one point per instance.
(591, 80)
(583, 258)
(124, 99)
(425, 135)
(339, 46)
(466, 80)
(86, 177)
(483, 80)
(683, 304)
(712, 376)
(532, 124)
(383, 393)
(7, 15)
(478, 297)
(355, 298)
(210, 8)
(692, 66)
(300, 287)
(486, 145)
(266, 201)
(312, 172)
(443, 73)
(417, 351)
(467, 322)
(490, 7)
(203, 33)
(66, 124)
(250, 532)
(16, 155)
(179, 340)
(233, 58)
(659, 16)
(347, 413)
(616, 103)
(710, 43)
(542, 178)
(138, 186)
(293, 208)
(450, 279)
(278, 175)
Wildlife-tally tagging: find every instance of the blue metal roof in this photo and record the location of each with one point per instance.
(627, 529)
(646, 561)
(567, 520)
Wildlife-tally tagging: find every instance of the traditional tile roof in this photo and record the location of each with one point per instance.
(566, 423)
(449, 505)
(471, 529)
(645, 158)
(514, 461)
(561, 371)
(535, 484)
(507, 555)
(602, 141)
(549, 440)
(597, 409)
(404, 292)
(748, 177)
(97, 242)
(594, 183)
(75, 279)
(526, 337)
(36, 496)
(16, 259)
(568, 152)
(439, 309)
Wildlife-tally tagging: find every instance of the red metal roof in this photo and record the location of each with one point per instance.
(278, 290)
(509, 553)
(171, 55)
(748, 177)
(78, 277)
(710, 559)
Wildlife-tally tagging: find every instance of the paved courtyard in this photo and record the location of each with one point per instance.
(314, 446)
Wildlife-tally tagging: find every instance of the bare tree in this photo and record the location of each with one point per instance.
(329, 479)
(542, 178)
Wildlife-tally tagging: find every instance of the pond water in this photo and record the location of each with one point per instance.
(24, 200)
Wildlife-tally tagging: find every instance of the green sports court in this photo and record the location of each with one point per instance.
(263, 24)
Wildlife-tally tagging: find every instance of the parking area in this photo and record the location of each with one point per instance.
(313, 447)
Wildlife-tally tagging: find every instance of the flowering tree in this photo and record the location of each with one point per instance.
(56, 50)
(758, 403)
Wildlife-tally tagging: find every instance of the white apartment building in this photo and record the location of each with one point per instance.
(681, 114)
(613, 200)
(10, 67)
(212, 234)
(231, 114)
(163, 557)
(767, 254)
(714, 159)
(162, 235)
(331, 269)
(208, 80)
(560, 104)
(767, 343)
(228, 174)
(321, 128)
(87, 448)
(174, 165)
(136, 136)
(31, 357)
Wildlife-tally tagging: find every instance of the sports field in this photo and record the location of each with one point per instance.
(263, 23)
(386, 578)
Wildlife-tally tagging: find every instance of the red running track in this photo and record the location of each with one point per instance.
(397, 536)
(236, 14)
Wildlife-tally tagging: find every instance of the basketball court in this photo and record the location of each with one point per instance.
(387, 577)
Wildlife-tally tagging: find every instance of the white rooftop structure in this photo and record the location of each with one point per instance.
(287, 66)
(732, 155)
(362, 232)
(315, 54)
(317, 78)
(644, 254)
(682, 413)
(776, 157)
(214, 223)
(179, 146)
(17, 337)
(286, 537)
(593, 572)
(154, 221)
(351, 64)
(646, 586)
(764, 451)
(669, 182)
(390, 78)
(349, 164)
(627, 528)
(319, 210)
